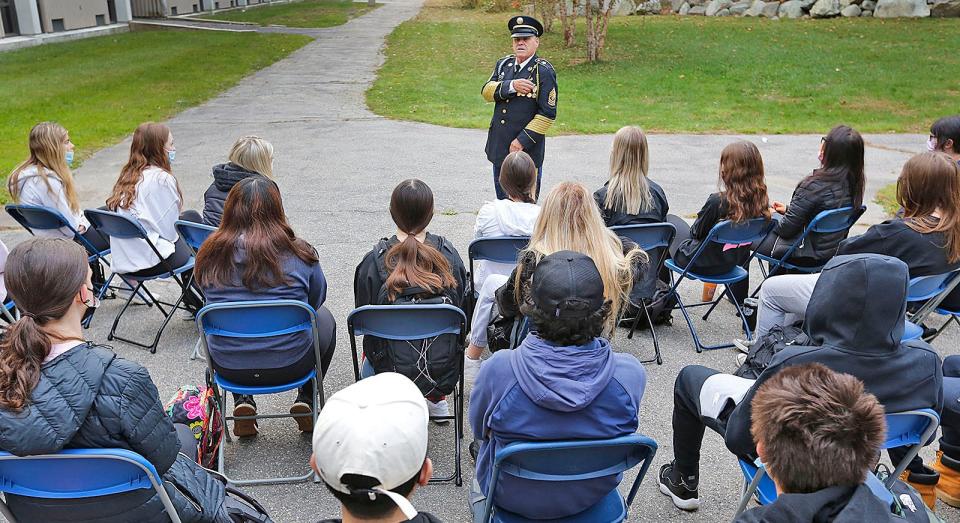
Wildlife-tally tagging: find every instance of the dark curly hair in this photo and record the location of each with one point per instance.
(565, 331)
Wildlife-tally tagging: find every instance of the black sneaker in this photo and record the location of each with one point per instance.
(474, 449)
(684, 497)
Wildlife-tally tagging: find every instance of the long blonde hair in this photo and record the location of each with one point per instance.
(570, 220)
(628, 190)
(253, 154)
(48, 152)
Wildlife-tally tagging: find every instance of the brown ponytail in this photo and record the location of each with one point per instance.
(518, 177)
(42, 276)
(411, 263)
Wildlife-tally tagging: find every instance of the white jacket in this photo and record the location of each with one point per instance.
(33, 191)
(502, 218)
(156, 207)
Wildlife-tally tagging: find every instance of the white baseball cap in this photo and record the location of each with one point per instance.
(377, 428)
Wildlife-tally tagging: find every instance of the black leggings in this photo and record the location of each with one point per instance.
(327, 332)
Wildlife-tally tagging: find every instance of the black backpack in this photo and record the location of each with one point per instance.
(432, 363)
(660, 306)
(763, 350)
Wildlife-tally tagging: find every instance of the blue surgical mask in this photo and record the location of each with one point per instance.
(69, 158)
(932, 143)
(171, 155)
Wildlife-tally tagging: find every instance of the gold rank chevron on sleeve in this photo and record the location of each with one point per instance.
(489, 89)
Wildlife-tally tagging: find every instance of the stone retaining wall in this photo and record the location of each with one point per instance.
(795, 8)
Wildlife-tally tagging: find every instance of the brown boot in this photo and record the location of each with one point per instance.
(925, 483)
(948, 490)
(709, 290)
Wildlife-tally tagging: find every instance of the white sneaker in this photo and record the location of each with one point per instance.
(470, 369)
(440, 408)
(743, 345)
(740, 359)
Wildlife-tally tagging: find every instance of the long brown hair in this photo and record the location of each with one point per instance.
(43, 275)
(742, 182)
(518, 177)
(47, 153)
(148, 148)
(253, 219)
(928, 184)
(411, 263)
(843, 159)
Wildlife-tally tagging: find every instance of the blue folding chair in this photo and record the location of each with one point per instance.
(498, 249)
(921, 289)
(725, 232)
(650, 237)
(825, 222)
(914, 428)
(79, 473)
(252, 320)
(38, 218)
(194, 234)
(572, 461)
(415, 322)
(118, 226)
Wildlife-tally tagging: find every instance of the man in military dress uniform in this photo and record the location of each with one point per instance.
(524, 88)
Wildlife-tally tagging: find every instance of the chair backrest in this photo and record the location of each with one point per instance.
(923, 288)
(572, 461)
(36, 217)
(80, 473)
(115, 225)
(406, 322)
(194, 233)
(500, 249)
(835, 220)
(914, 427)
(256, 318)
(648, 236)
(749, 231)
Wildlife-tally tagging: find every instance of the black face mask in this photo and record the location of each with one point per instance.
(91, 308)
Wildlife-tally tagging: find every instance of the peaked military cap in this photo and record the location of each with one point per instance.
(524, 26)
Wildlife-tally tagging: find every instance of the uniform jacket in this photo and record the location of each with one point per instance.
(855, 322)
(520, 117)
(89, 398)
(225, 176)
(814, 194)
(543, 392)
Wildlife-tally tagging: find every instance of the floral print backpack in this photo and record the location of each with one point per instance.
(195, 407)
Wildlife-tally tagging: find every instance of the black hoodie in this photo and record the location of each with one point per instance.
(855, 322)
(225, 176)
(835, 505)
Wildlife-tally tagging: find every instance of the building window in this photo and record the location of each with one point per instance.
(57, 24)
(194, 8)
(101, 19)
(173, 11)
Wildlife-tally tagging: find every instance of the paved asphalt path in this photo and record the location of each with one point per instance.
(336, 164)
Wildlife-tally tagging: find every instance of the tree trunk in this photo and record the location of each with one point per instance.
(598, 18)
(569, 22)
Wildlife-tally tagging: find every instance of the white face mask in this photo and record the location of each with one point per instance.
(931, 144)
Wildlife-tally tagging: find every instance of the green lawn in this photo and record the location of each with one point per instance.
(688, 74)
(101, 88)
(305, 13)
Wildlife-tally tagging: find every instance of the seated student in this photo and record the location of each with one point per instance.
(255, 255)
(148, 192)
(370, 449)
(839, 182)
(513, 216)
(570, 221)
(743, 196)
(249, 156)
(630, 197)
(563, 382)
(44, 179)
(818, 433)
(945, 137)
(59, 391)
(947, 464)
(926, 236)
(413, 265)
(855, 322)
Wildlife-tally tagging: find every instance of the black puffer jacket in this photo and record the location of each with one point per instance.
(814, 194)
(225, 176)
(657, 214)
(90, 398)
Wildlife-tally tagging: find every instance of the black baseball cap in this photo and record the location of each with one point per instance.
(567, 284)
(523, 26)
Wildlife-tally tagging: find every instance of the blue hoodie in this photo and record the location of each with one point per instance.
(543, 392)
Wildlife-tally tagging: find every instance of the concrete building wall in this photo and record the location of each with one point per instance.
(58, 15)
(183, 7)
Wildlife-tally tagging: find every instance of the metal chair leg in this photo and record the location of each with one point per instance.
(653, 334)
(749, 491)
